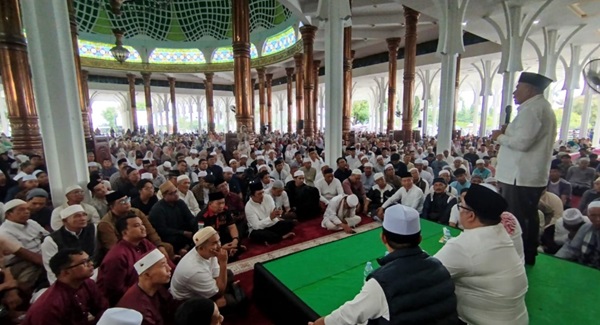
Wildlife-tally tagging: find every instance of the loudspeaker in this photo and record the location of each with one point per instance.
(300, 125)
(420, 123)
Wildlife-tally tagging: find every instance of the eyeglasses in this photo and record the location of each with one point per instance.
(86, 262)
(125, 201)
(464, 207)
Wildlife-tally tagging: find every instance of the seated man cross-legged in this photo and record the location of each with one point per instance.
(265, 221)
(340, 214)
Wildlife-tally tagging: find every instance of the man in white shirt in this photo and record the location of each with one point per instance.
(489, 276)
(183, 190)
(329, 187)
(281, 200)
(526, 146)
(315, 160)
(74, 196)
(340, 214)
(265, 222)
(409, 195)
(400, 291)
(423, 172)
(279, 174)
(17, 227)
(202, 272)
(193, 159)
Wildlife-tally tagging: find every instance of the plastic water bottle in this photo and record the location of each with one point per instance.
(368, 270)
(447, 234)
(200, 225)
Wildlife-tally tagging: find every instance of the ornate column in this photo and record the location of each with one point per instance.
(253, 98)
(456, 97)
(241, 63)
(269, 81)
(315, 106)
(289, 72)
(16, 78)
(210, 106)
(347, 89)
(173, 104)
(261, 99)
(308, 40)
(298, 59)
(86, 95)
(411, 18)
(83, 98)
(393, 44)
(148, 98)
(133, 108)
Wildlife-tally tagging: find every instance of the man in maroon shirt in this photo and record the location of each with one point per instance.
(116, 273)
(74, 299)
(150, 296)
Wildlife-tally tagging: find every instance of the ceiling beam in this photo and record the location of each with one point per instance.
(385, 19)
(311, 7)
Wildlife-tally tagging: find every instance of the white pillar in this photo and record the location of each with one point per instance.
(585, 118)
(51, 58)
(333, 14)
(486, 76)
(596, 136)
(3, 109)
(450, 44)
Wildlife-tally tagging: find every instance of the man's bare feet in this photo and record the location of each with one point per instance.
(288, 235)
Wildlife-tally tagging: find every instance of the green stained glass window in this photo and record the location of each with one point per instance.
(176, 56)
(225, 54)
(279, 42)
(97, 50)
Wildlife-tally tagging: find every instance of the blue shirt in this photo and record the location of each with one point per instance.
(459, 187)
(485, 173)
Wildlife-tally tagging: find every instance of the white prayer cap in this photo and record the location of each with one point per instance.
(72, 188)
(490, 186)
(261, 167)
(146, 262)
(212, 154)
(306, 160)
(260, 157)
(240, 170)
(227, 170)
(379, 157)
(203, 235)
(147, 176)
(490, 180)
(193, 151)
(585, 159)
(458, 159)
(352, 201)
(19, 176)
(356, 172)
(364, 158)
(425, 162)
(71, 210)
(232, 161)
(93, 164)
(389, 166)
(243, 156)
(572, 216)
(258, 153)
(13, 204)
(22, 158)
(442, 172)
(35, 173)
(201, 174)
(401, 220)
(368, 165)
(298, 173)
(593, 204)
(120, 316)
(29, 178)
(182, 178)
(480, 161)
(418, 161)
(413, 170)
(167, 164)
(378, 176)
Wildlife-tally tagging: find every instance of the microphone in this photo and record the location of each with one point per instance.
(508, 110)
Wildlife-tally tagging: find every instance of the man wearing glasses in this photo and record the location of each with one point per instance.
(488, 274)
(74, 196)
(76, 232)
(73, 297)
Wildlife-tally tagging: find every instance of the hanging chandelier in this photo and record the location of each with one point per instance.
(120, 53)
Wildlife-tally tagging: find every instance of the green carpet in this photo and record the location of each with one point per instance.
(326, 276)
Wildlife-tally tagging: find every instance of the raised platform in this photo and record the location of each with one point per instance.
(302, 286)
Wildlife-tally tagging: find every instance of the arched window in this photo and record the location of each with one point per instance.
(176, 56)
(101, 51)
(279, 42)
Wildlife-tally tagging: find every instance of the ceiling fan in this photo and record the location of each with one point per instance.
(591, 74)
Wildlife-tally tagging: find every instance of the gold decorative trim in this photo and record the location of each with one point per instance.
(192, 68)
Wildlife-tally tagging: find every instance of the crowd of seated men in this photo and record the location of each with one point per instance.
(161, 218)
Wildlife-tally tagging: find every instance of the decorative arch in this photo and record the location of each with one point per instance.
(279, 41)
(225, 54)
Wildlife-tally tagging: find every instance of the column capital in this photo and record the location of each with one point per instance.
(289, 71)
(171, 80)
(261, 72)
(317, 64)
(299, 59)
(393, 43)
(131, 77)
(269, 77)
(84, 75)
(410, 13)
(146, 76)
(208, 76)
(308, 33)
